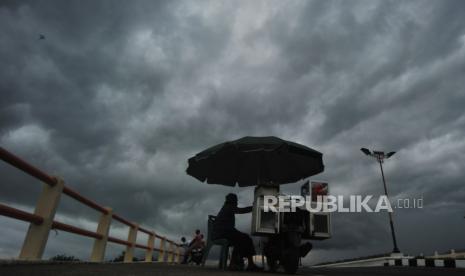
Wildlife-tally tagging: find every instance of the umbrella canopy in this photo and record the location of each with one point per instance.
(250, 161)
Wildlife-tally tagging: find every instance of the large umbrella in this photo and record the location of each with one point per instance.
(251, 161)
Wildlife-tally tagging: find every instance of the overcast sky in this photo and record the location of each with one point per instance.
(120, 94)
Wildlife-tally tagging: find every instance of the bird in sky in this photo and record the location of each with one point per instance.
(41, 36)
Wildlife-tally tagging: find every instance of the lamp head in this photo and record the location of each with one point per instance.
(366, 151)
(390, 154)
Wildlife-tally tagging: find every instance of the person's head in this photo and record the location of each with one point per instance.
(197, 231)
(183, 239)
(231, 199)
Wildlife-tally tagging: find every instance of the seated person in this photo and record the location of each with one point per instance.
(224, 228)
(201, 242)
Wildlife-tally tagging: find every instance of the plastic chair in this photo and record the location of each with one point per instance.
(224, 243)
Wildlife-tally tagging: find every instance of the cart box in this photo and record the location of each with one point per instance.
(264, 223)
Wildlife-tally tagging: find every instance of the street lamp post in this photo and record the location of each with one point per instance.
(380, 156)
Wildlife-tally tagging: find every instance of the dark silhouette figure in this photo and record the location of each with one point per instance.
(224, 228)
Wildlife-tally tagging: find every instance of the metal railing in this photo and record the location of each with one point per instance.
(42, 221)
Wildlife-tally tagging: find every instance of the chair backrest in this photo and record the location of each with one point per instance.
(211, 221)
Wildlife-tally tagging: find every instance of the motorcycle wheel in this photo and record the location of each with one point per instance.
(290, 260)
(272, 263)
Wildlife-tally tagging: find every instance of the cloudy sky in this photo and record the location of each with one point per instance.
(119, 95)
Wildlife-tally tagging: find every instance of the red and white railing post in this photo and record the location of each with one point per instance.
(161, 253)
(151, 246)
(37, 235)
(103, 228)
(132, 237)
(178, 254)
(171, 252)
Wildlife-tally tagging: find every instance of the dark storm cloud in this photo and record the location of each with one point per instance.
(119, 95)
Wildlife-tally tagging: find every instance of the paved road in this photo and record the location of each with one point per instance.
(48, 269)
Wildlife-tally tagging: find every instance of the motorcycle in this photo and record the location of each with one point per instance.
(196, 256)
